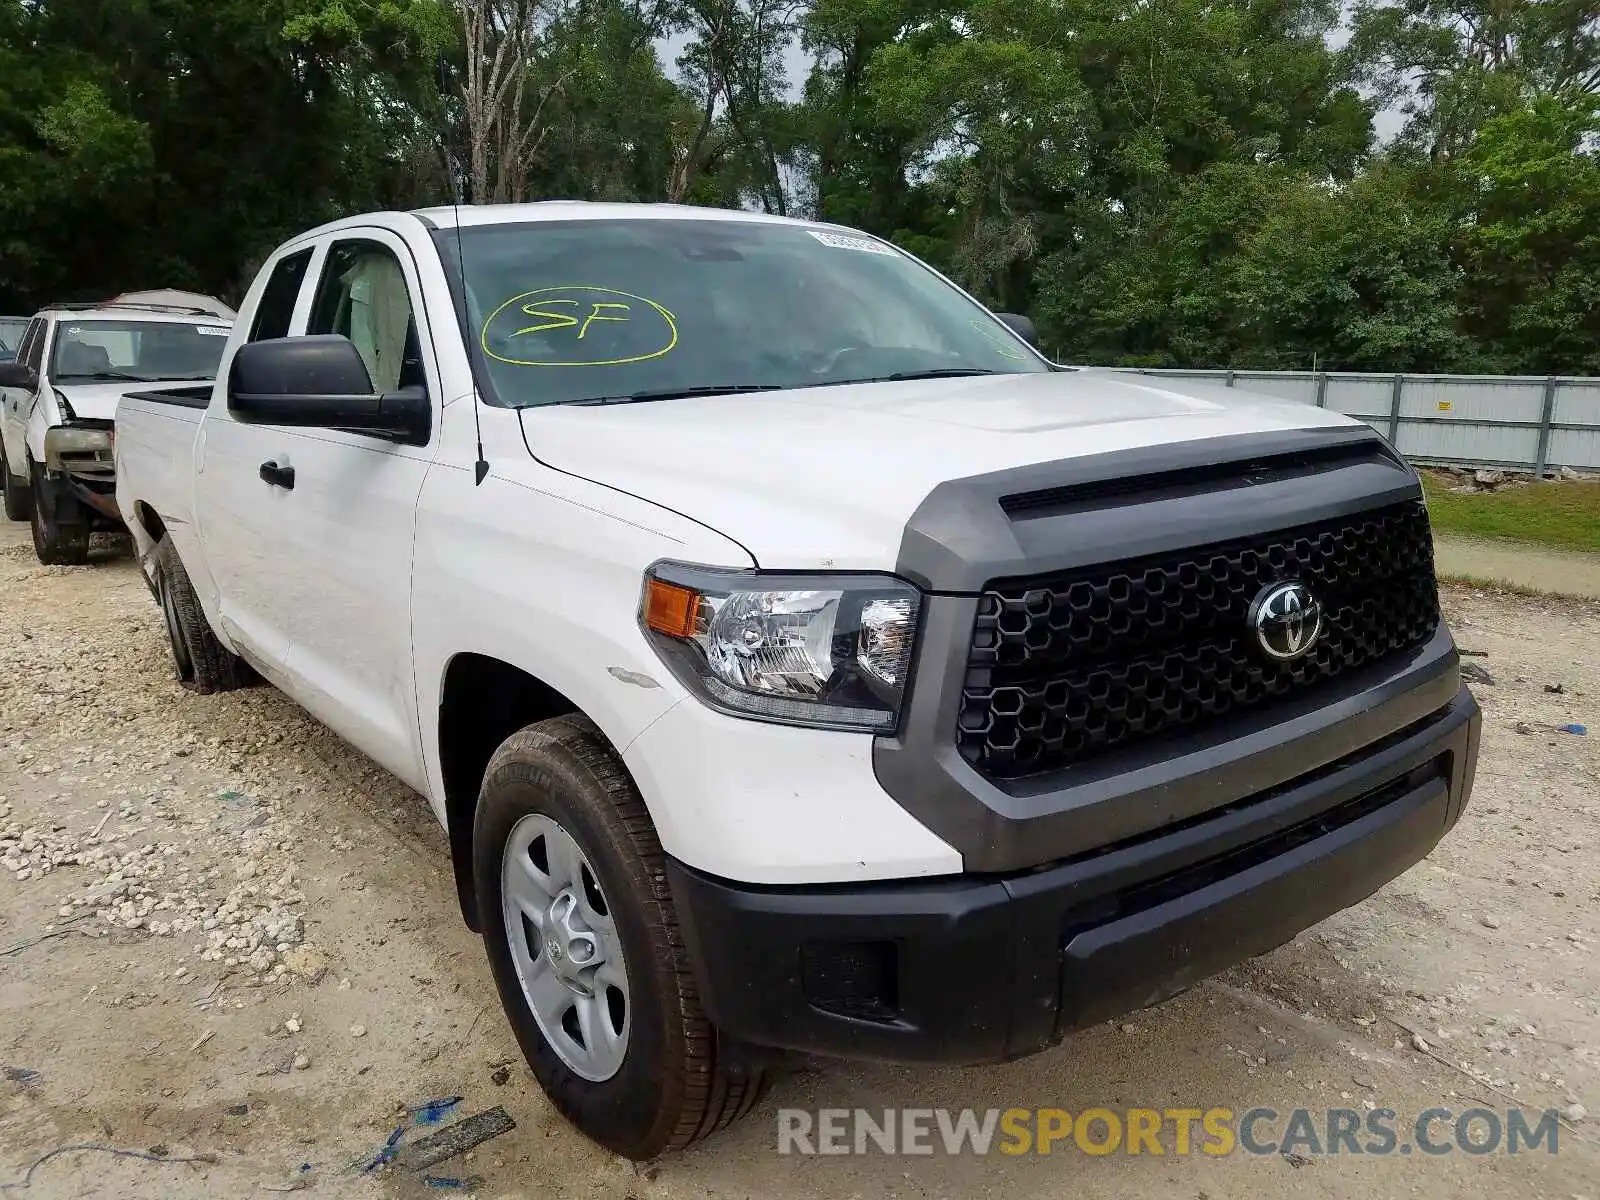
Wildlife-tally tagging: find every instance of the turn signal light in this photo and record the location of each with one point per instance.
(670, 609)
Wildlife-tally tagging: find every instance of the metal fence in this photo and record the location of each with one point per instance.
(1512, 421)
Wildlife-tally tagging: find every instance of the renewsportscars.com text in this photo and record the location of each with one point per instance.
(1214, 1132)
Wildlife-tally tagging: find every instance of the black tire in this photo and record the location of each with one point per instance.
(58, 543)
(679, 1080)
(202, 663)
(18, 497)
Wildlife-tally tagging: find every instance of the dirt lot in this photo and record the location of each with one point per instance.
(1543, 568)
(255, 957)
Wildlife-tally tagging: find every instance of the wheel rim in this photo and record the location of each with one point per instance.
(180, 652)
(565, 948)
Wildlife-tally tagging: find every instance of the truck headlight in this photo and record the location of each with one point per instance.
(831, 651)
(62, 442)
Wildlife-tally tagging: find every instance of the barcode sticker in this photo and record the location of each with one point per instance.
(840, 241)
(211, 330)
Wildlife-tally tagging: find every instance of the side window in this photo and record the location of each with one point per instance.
(363, 296)
(277, 300)
(32, 352)
(26, 344)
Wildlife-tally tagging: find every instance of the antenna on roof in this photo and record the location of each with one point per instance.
(458, 188)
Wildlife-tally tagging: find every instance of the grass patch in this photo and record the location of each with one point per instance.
(1503, 587)
(1564, 515)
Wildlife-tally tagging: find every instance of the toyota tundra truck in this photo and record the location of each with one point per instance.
(796, 657)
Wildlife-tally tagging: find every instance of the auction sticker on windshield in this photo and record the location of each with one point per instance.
(211, 331)
(840, 241)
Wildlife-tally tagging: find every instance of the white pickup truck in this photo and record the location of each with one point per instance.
(796, 658)
(59, 395)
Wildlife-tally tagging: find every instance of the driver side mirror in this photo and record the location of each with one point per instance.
(14, 374)
(1021, 326)
(321, 382)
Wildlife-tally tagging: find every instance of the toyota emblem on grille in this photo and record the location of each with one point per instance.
(1287, 621)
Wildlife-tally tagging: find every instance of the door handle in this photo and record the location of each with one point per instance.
(277, 476)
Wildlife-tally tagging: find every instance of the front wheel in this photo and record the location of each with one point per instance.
(60, 527)
(586, 951)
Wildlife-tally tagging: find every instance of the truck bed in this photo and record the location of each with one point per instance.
(154, 449)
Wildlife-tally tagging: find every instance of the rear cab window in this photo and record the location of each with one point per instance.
(275, 311)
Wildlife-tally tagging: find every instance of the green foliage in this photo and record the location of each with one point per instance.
(1555, 514)
(1263, 267)
(90, 139)
(1160, 182)
(1537, 235)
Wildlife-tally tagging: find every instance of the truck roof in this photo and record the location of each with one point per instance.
(448, 216)
(590, 210)
(111, 311)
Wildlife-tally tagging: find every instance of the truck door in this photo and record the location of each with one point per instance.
(240, 520)
(335, 555)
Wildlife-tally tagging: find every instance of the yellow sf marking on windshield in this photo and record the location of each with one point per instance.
(594, 315)
(534, 304)
(554, 320)
(557, 320)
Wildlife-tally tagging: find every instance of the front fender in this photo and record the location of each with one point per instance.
(543, 573)
(42, 417)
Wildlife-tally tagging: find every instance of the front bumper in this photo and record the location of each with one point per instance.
(75, 500)
(100, 497)
(987, 968)
(79, 467)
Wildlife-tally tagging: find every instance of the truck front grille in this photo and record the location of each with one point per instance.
(1070, 666)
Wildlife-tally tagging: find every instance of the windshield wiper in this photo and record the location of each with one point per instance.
(120, 376)
(718, 389)
(937, 373)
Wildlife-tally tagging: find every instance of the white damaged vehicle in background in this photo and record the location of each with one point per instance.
(58, 400)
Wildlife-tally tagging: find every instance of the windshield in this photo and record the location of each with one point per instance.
(140, 350)
(563, 312)
(11, 331)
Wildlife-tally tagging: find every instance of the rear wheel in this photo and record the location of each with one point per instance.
(586, 951)
(203, 664)
(18, 499)
(60, 526)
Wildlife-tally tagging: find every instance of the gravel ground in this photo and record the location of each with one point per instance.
(250, 952)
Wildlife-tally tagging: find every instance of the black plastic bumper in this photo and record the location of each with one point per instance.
(70, 500)
(99, 497)
(986, 968)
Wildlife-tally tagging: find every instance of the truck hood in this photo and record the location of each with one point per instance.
(828, 477)
(98, 401)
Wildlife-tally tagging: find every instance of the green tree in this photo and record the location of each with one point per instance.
(1536, 238)
(1452, 65)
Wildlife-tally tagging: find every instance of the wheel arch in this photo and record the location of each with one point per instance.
(149, 520)
(483, 700)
